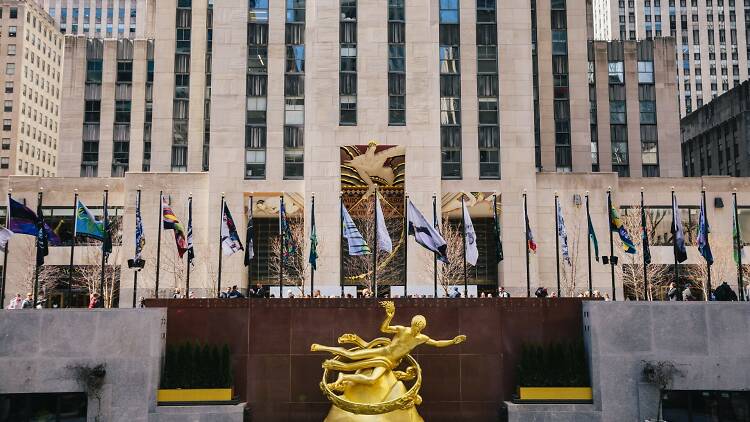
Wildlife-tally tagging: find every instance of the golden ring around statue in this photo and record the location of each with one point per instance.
(407, 400)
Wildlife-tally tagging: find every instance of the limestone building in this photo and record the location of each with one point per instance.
(712, 40)
(101, 18)
(31, 55)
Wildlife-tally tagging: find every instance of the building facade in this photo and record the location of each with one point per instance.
(31, 55)
(716, 137)
(712, 40)
(102, 18)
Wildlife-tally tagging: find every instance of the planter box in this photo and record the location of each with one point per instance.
(197, 395)
(555, 394)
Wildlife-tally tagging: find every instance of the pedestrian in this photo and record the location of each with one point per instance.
(674, 294)
(541, 292)
(142, 302)
(482, 294)
(687, 294)
(597, 294)
(316, 294)
(235, 294)
(191, 295)
(95, 301)
(553, 295)
(225, 294)
(455, 294)
(16, 302)
(724, 293)
(606, 297)
(289, 294)
(28, 303)
(176, 294)
(501, 292)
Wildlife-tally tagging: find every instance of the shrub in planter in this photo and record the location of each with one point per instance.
(195, 366)
(560, 364)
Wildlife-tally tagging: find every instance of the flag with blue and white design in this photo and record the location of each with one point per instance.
(562, 233)
(354, 239)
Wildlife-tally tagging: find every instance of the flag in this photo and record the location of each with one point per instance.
(562, 233)
(42, 241)
(425, 234)
(230, 239)
(107, 241)
(190, 249)
(5, 236)
(498, 238)
(615, 225)
(703, 230)
(140, 238)
(592, 236)
(470, 237)
(286, 231)
(86, 224)
(737, 245)
(384, 239)
(249, 242)
(644, 238)
(530, 244)
(678, 236)
(170, 222)
(355, 241)
(23, 221)
(313, 239)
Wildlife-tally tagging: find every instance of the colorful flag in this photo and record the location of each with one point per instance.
(615, 225)
(530, 244)
(23, 221)
(384, 239)
(249, 236)
(703, 230)
(737, 246)
(592, 236)
(313, 239)
(286, 231)
(644, 238)
(425, 234)
(42, 242)
(678, 236)
(86, 224)
(190, 249)
(140, 238)
(230, 239)
(355, 241)
(470, 237)
(5, 236)
(170, 222)
(562, 234)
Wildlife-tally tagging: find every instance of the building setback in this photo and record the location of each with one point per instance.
(716, 137)
(31, 54)
(102, 19)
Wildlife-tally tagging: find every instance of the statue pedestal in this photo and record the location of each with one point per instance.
(384, 389)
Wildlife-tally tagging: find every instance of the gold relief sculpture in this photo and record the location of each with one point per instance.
(369, 380)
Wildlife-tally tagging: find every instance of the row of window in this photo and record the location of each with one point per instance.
(348, 62)
(123, 105)
(561, 95)
(488, 89)
(396, 63)
(294, 101)
(149, 106)
(207, 98)
(450, 89)
(81, 18)
(181, 103)
(256, 89)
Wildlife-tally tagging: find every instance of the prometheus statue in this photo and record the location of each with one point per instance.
(369, 379)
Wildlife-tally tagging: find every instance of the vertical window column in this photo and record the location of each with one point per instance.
(294, 93)
(592, 108)
(256, 90)
(647, 108)
(92, 108)
(561, 104)
(123, 97)
(488, 90)
(396, 63)
(535, 71)
(207, 98)
(181, 106)
(149, 106)
(618, 120)
(348, 63)
(450, 90)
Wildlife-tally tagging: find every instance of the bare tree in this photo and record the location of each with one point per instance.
(452, 273)
(89, 273)
(49, 276)
(296, 267)
(722, 268)
(630, 271)
(569, 274)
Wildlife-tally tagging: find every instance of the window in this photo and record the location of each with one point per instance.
(6, 144)
(7, 123)
(616, 73)
(10, 68)
(4, 162)
(11, 49)
(645, 72)
(12, 30)
(8, 87)
(8, 106)
(13, 13)
(55, 406)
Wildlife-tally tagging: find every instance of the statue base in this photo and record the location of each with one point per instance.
(384, 389)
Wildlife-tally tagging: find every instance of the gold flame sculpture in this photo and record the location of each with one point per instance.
(371, 375)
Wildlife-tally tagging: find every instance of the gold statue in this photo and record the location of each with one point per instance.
(372, 387)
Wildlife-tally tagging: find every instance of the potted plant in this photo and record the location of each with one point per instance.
(195, 373)
(556, 372)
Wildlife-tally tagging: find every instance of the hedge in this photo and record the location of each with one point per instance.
(553, 365)
(195, 365)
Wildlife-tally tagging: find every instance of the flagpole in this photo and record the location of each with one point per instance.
(557, 244)
(281, 254)
(375, 247)
(739, 247)
(434, 255)
(135, 275)
(708, 279)
(312, 270)
(526, 242)
(158, 241)
(341, 242)
(72, 249)
(643, 246)
(588, 238)
(249, 261)
(36, 266)
(463, 225)
(189, 261)
(496, 229)
(406, 241)
(104, 242)
(5, 254)
(221, 252)
(611, 243)
(674, 240)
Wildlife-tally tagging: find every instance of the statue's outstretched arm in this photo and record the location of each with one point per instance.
(390, 311)
(446, 343)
